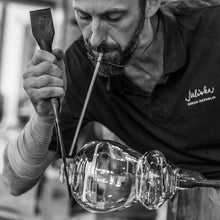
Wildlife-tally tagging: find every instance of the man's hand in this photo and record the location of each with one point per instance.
(45, 78)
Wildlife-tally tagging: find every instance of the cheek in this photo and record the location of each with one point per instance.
(123, 33)
(86, 33)
(85, 29)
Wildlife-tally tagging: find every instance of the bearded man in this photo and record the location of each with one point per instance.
(157, 87)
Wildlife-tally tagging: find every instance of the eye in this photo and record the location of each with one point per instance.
(115, 16)
(83, 15)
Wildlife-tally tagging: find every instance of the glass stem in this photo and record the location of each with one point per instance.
(192, 179)
(208, 183)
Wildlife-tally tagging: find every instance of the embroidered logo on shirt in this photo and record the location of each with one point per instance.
(201, 95)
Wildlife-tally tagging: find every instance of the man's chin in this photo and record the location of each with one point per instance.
(109, 64)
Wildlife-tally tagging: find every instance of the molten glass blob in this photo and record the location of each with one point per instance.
(107, 176)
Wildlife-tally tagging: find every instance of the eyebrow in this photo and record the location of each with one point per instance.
(111, 11)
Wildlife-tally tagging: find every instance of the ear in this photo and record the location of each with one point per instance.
(152, 7)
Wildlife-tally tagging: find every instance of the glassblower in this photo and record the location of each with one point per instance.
(106, 176)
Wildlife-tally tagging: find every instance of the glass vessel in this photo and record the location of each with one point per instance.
(106, 176)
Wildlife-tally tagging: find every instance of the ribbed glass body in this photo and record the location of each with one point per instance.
(106, 176)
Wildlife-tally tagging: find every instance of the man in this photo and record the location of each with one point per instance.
(157, 89)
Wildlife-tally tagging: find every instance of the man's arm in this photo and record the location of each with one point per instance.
(27, 157)
(16, 184)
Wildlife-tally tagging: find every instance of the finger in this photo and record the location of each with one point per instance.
(44, 81)
(47, 93)
(58, 53)
(42, 55)
(60, 60)
(44, 68)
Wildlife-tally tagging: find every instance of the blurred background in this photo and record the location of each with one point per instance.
(48, 200)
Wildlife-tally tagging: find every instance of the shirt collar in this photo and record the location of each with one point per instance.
(175, 55)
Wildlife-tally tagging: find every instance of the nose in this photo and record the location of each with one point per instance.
(99, 33)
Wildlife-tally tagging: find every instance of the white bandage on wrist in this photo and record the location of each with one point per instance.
(27, 154)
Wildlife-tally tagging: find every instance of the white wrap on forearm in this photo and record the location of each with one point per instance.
(27, 154)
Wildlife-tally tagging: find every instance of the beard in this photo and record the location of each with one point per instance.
(115, 59)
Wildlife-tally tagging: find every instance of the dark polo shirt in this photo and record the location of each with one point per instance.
(181, 117)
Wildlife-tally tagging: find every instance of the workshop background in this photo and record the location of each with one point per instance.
(49, 199)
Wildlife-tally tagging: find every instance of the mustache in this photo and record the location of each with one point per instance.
(103, 47)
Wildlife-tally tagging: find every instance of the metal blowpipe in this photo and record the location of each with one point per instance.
(100, 56)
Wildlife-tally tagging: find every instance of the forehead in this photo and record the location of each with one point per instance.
(100, 6)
